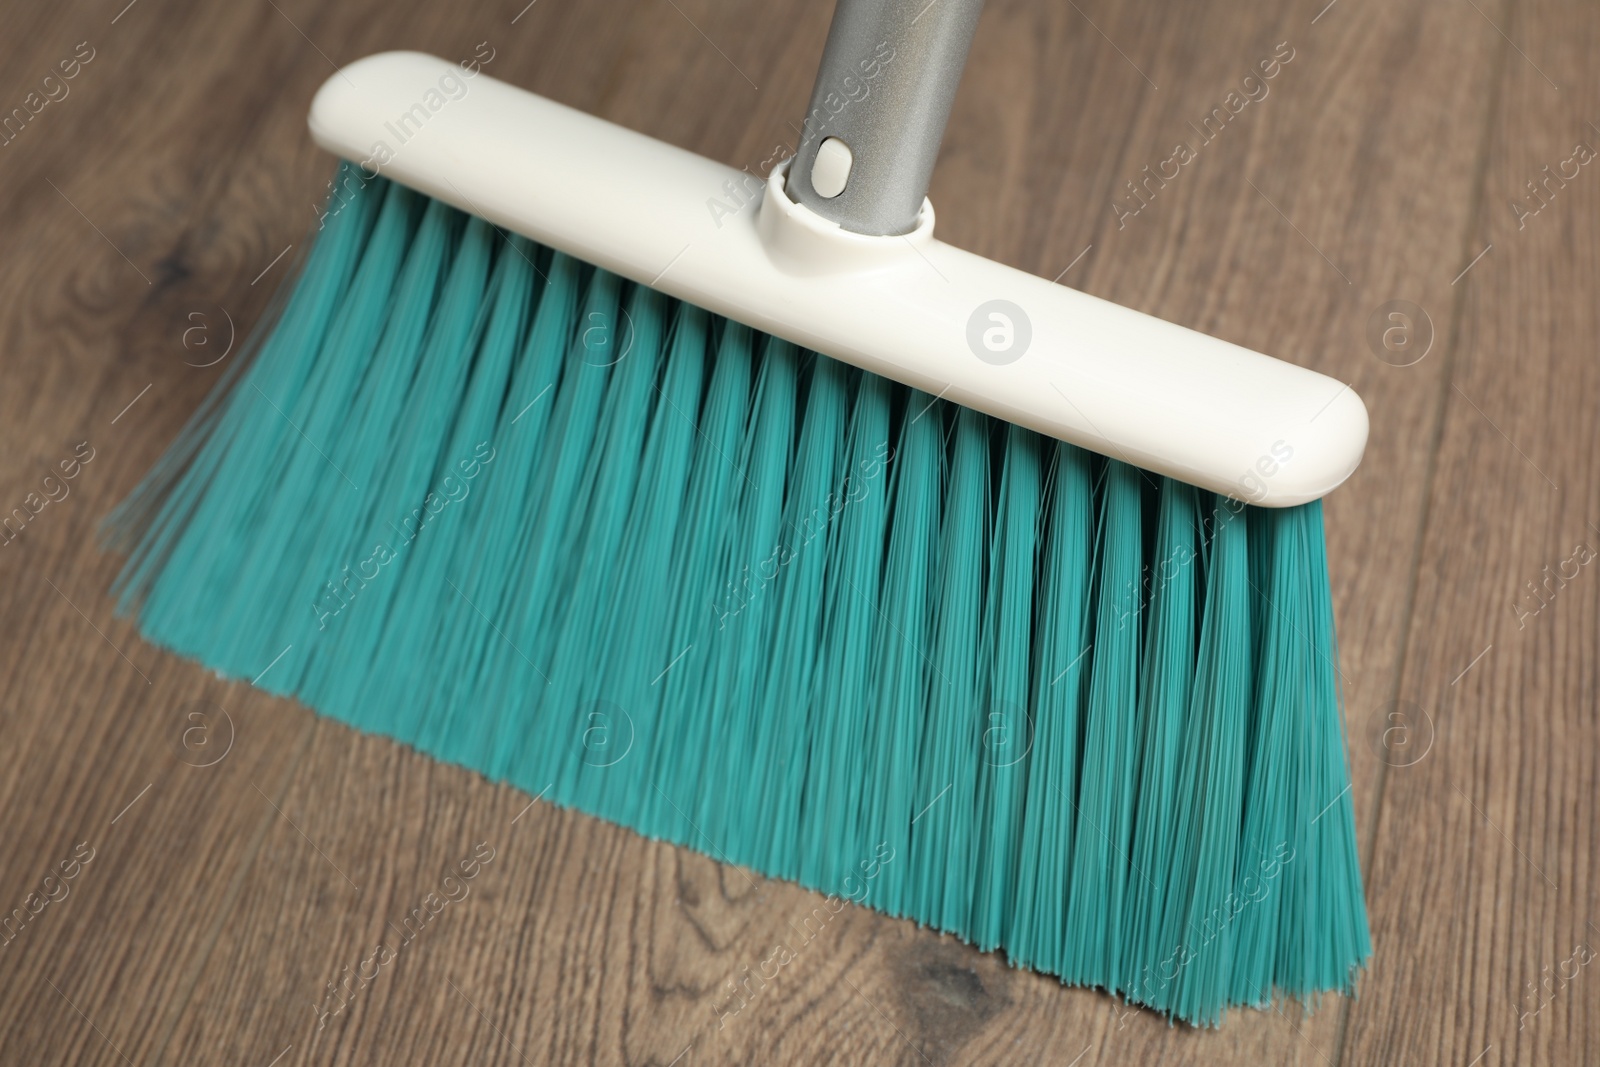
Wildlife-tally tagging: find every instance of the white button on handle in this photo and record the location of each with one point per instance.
(831, 170)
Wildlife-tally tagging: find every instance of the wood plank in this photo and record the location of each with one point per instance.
(1487, 847)
(96, 721)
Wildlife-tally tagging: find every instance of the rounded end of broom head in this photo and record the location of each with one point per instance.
(910, 308)
(1308, 459)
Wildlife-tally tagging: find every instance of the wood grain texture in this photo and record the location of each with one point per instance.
(1487, 849)
(222, 899)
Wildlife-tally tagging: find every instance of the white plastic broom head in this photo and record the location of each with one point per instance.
(903, 305)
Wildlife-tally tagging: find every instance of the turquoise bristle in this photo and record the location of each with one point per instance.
(840, 714)
(1005, 737)
(1039, 936)
(900, 672)
(1166, 679)
(1104, 810)
(1192, 975)
(942, 853)
(782, 704)
(545, 523)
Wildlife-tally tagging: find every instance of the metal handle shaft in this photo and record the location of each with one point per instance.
(883, 94)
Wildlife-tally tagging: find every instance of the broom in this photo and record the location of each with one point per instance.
(752, 517)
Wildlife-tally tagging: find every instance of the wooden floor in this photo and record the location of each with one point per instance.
(214, 859)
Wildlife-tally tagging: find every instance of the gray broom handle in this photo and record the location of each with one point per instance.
(884, 89)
